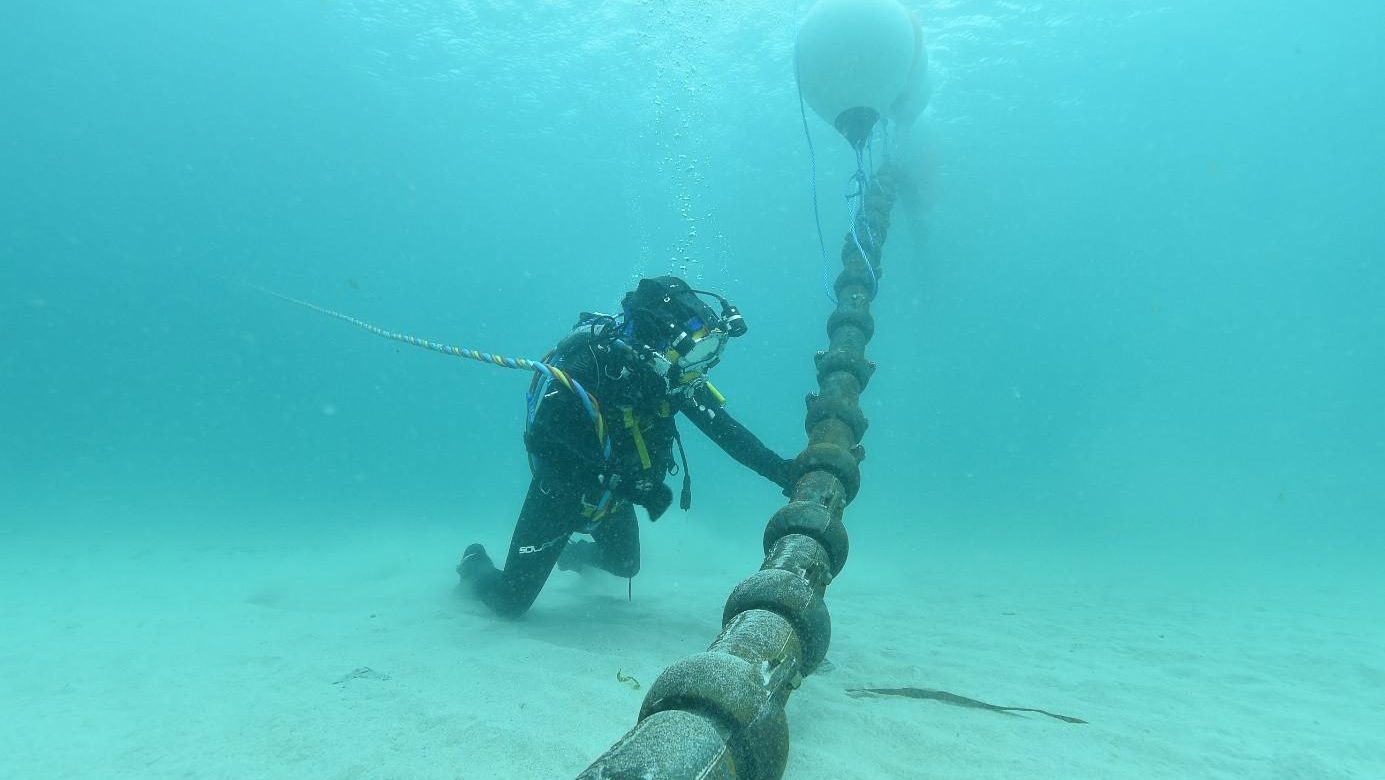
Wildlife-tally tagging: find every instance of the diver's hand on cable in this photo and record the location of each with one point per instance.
(651, 494)
(787, 474)
(784, 476)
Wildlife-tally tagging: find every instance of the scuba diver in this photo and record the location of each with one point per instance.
(589, 471)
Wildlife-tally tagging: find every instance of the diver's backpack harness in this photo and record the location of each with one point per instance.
(588, 330)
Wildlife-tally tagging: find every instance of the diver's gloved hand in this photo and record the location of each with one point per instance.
(656, 500)
(651, 494)
(784, 476)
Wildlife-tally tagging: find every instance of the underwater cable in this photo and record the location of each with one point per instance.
(871, 170)
(854, 203)
(813, 167)
(589, 403)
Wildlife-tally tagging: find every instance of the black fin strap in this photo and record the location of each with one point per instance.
(684, 500)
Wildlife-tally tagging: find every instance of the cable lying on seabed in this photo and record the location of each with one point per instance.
(955, 700)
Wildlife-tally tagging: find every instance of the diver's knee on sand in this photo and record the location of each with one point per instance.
(621, 567)
(620, 560)
(509, 594)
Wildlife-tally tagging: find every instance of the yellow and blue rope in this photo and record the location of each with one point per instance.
(589, 403)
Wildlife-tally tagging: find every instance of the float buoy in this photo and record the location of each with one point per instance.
(853, 60)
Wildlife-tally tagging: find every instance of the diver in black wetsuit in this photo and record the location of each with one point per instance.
(643, 367)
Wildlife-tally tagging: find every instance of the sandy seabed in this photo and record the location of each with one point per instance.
(175, 654)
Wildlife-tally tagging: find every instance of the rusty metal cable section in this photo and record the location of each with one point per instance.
(719, 715)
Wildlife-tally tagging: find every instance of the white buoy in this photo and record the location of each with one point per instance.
(854, 59)
(918, 90)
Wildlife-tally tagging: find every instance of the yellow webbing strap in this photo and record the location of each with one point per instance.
(720, 399)
(632, 424)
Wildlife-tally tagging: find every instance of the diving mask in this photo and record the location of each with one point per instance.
(698, 349)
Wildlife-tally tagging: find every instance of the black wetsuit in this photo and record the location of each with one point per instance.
(571, 473)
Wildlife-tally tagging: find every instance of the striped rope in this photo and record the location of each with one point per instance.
(589, 403)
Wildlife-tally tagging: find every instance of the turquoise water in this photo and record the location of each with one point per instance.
(1137, 314)
(1147, 306)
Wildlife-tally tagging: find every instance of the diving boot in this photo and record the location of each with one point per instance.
(474, 561)
(577, 555)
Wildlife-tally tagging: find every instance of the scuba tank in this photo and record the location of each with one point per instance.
(590, 329)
